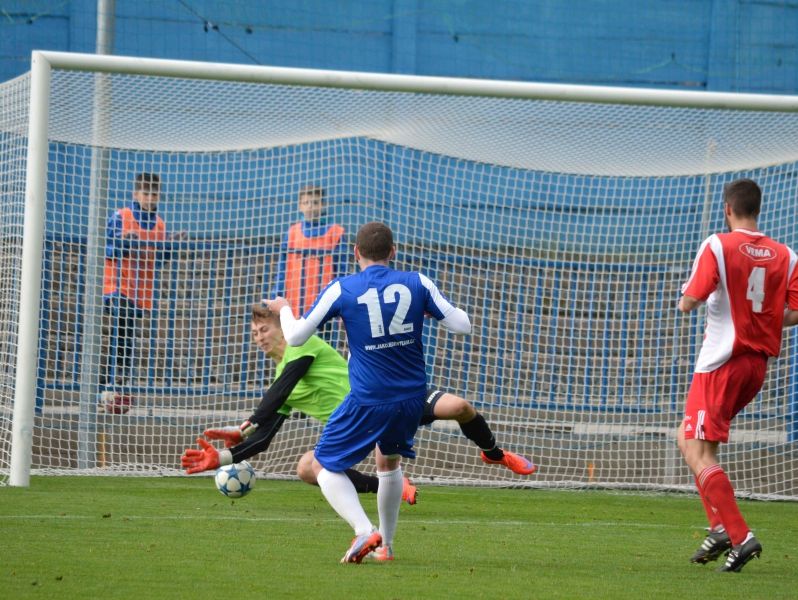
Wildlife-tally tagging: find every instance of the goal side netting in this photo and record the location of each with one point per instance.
(562, 219)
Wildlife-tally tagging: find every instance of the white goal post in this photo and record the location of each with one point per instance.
(563, 219)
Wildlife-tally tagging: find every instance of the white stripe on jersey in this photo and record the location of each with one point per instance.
(443, 305)
(298, 331)
(454, 319)
(720, 333)
(694, 268)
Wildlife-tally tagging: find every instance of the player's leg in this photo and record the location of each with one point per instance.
(443, 405)
(389, 499)
(712, 402)
(364, 484)
(717, 540)
(348, 437)
(395, 442)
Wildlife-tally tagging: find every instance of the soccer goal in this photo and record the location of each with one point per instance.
(562, 218)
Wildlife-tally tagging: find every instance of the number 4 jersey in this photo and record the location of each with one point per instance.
(747, 281)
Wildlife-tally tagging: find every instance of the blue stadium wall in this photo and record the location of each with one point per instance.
(717, 45)
(722, 45)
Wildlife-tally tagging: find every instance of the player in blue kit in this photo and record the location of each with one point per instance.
(383, 313)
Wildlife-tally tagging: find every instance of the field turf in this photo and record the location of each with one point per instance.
(142, 538)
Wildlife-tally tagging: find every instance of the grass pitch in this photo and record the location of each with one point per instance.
(142, 538)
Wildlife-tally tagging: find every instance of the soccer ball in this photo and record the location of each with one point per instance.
(236, 480)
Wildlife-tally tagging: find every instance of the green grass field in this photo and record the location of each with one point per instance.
(141, 538)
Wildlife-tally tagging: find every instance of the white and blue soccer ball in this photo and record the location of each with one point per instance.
(236, 480)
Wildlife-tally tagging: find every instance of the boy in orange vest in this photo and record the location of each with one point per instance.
(313, 253)
(134, 251)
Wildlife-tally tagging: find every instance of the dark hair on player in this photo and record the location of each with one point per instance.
(149, 181)
(744, 197)
(375, 241)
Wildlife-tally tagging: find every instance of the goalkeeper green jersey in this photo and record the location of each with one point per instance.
(325, 384)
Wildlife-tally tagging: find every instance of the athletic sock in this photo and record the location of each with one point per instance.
(478, 431)
(712, 513)
(720, 494)
(342, 496)
(364, 484)
(389, 499)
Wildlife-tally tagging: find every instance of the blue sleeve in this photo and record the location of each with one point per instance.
(435, 303)
(278, 281)
(115, 246)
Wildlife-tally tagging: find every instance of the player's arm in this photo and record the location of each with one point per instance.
(116, 246)
(791, 312)
(452, 318)
(704, 275)
(278, 392)
(273, 400)
(256, 433)
(297, 331)
(688, 303)
(790, 318)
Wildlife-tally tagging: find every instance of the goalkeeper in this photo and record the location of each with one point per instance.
(314, 379)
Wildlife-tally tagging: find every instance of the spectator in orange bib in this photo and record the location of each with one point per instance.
(135, 249)
(313, 253)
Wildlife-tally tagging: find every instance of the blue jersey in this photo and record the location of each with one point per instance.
(383, 313)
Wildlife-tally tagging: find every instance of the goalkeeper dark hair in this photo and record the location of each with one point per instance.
(375, 241)
(744, 197)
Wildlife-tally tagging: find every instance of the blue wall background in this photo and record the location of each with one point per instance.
(718, 45)
(721, 45)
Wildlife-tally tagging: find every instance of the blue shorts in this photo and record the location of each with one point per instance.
(353, 431)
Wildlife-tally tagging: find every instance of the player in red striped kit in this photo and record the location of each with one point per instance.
(750, 285)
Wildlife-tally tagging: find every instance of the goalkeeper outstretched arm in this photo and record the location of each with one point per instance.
(256, 433)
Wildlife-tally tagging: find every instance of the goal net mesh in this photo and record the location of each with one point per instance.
(564, 229)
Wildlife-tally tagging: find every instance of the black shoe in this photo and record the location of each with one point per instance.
(741, 554)
(715, 544)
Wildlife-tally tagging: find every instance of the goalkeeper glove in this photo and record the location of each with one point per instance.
(196, 461)
(231, 435)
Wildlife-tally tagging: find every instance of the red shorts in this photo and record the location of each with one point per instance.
(716, 397)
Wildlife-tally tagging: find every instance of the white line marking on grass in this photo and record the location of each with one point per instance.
(408, 521)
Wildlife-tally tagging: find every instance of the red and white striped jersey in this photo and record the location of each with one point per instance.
(747, 280)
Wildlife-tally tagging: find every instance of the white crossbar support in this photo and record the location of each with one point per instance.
(419, 84)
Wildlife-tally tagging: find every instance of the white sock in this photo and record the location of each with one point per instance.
(389, 499)
(342, 496)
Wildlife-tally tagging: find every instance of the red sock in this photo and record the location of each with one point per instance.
(712, 512)
(719, 493)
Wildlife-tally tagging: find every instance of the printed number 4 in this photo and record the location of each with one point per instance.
(393, 293)
(756, 288)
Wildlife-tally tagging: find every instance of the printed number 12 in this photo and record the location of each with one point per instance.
(394, 293)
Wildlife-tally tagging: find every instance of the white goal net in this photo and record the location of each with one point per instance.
(563, 219)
